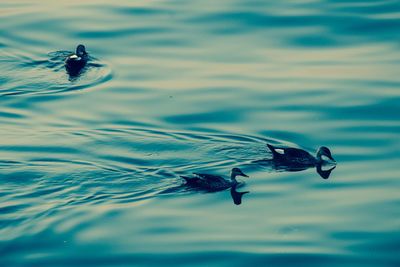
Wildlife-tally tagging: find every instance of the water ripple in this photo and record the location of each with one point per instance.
(48, 76)
(90, 166)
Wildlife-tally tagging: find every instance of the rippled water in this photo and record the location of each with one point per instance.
(89, 166)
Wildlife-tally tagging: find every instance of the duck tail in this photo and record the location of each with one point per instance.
(190, 180)
(273, 150)
(187, 179)
(271, 147)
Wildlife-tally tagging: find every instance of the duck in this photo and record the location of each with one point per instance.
(297, 157)
(75, 62)
(214, 182)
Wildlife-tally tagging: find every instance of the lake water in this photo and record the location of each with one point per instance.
(90, 165)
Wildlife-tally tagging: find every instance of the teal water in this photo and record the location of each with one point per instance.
(89, 166)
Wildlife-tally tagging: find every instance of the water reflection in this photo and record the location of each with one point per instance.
(236, 195)
(324, 173)
(74, 74)
(80, 159)
(323, 170)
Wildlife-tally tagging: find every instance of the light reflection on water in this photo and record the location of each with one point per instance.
(89, 168)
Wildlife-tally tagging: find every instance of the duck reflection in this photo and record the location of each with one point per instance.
(73, 75)
(323, 170)
(324, 173)
(236, 195)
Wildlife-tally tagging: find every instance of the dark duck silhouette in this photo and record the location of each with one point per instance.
(300, 157)
(214, 182)
(295, 159)
(74, 63)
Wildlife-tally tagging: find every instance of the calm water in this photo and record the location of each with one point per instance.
(89, 166)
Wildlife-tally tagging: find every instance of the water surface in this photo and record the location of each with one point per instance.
(89, 167)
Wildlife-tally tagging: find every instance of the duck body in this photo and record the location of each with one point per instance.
(297, 157)
(292, 156)
(208, 181)
(213, 182)
(75, 62)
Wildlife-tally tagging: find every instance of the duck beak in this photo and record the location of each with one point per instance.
(244, 175)
(332, 159)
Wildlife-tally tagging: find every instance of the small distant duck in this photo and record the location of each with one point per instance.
(299, 157)
(75, 62)
(214, 182)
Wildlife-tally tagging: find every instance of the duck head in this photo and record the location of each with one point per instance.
(80, 50)
(322, 152)
(237, 172)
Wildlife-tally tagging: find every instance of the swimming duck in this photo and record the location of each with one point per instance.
(75, 62)
(214, 182)
(297, 157)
